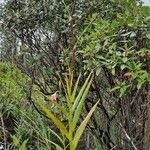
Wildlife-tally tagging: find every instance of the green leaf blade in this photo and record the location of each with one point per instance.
(81, 92)
(56, 121)
(78, 110)
(81, 128)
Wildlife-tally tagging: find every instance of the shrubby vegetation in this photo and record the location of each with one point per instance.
(69, 68)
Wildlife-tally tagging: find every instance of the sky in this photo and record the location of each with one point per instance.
(146, 2)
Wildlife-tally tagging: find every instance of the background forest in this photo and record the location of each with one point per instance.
(74, 74)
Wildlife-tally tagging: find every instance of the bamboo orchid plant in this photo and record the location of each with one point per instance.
(75, 99)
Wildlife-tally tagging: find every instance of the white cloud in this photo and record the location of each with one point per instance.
(146, 2)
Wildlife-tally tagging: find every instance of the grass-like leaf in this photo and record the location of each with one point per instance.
(56, 121)
(75, 88)
(81, 128)
(81, 100)
(78, 98)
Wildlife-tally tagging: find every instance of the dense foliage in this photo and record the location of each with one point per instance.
(46, 45)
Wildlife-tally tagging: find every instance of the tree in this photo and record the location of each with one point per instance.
(110, 37)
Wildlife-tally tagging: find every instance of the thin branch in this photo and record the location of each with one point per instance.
(127, 136)
(3, 130)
